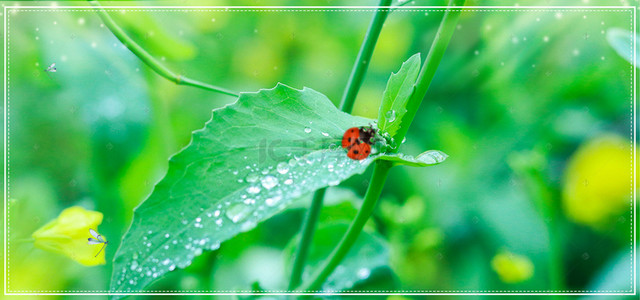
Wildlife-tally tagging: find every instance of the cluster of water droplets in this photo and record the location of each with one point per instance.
(261, 192)
(152, 261)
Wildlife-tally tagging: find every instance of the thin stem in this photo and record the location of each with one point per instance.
(381, 169)
(307, 236)
(431, 63)
(149, 60)
(364, 57)
(346, 105)
(380, 172)
(549, 212)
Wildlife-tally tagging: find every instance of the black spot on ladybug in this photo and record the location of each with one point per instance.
(355, 151)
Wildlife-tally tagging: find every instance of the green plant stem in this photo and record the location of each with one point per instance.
(431, 63)
(380, 172)
(308, 229)
(149, 60)
(381, 169)
(346, 105)
(364, 57)
(549, 212)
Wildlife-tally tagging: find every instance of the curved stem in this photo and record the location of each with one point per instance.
(443, 36)
(380, 172)
(346, 105)
(431, 63)
(149, 60)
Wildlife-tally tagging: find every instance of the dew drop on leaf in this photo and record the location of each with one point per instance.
(390, 116)
(268, 182)
(252, 177)
(307, 129)
(253, 190)
(282, 168)
(363, 273)
(273, 201)
(238, 212)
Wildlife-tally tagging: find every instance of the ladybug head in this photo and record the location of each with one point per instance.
(367, 134)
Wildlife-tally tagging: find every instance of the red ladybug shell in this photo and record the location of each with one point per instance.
(359, 151)
(350, 136)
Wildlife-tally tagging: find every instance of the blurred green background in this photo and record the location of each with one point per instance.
(532, 106)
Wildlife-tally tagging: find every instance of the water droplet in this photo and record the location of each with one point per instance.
(334, 182)
(363, 273)
(390, 116)
(166, 235)
(282, 168)
(288, 181)
(273, 201)
(268, 182)
(166, 261)
(216, 213)
(171, 268)
(252, 177)
(198, 219)
(325, 134)
(253, 190)
(307, 129)
(237, 212)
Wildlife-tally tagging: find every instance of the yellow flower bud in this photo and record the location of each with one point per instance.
(68, 235)
(597, 181)
(512, 268)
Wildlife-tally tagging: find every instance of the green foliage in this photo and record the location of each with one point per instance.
(621, 40)
(370, 252)
(248, 163)
(427, 158)
(251, 160)
(394, 100)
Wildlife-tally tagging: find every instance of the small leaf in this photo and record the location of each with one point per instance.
(622, 41)
(248, 163)
(395, 97)
(427, 158)
(368, 254)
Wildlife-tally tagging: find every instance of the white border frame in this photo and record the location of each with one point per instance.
(408, 293)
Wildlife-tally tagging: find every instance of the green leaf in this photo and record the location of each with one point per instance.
(394, 100)
(427, 158)
(247, 164)
(369, 254)
(621, 40)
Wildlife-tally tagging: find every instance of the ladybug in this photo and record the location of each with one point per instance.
(358, 140)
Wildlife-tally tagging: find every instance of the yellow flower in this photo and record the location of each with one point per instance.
(68, 235)
(597, 181)
(512, 268)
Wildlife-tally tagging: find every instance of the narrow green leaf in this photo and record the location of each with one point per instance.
(427, 158)
(370, 252)
(248, 163)
(395, 97)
